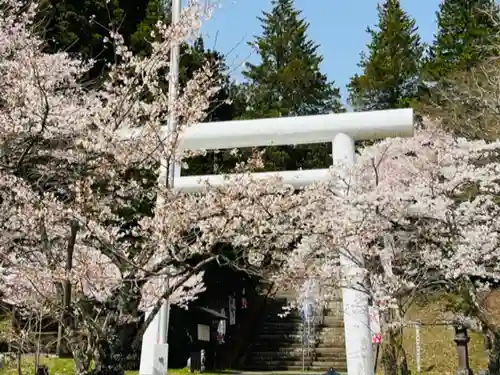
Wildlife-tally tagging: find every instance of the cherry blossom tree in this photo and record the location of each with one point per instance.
(423, 212)
(88, 236)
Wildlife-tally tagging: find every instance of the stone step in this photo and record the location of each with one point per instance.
(271, 327)
(313, 324)
(336, 364)
(319, 351)
(265, 367)
(297, 356)
(335, 316)
(335, 304)
(281, 323)
(285, 347)
(322, 338)
(278, 319)
(325, 320)
(341, 367)
(327, 342)
(285, 344)
(297, 348)
(332, 320)
(315, 370)
(272, 356)
(327, 360)
(332, 326)
(292, 331)
(275, 345)
(334, 335)
(266, 352)
(332, 350)
(284, 324)
(331, 329)
(291, 337)
(331, 334)
(296, 365)
(331, 353)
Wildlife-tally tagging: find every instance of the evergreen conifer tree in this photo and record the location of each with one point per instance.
(391, 69)
(288, 82)
(467, 34)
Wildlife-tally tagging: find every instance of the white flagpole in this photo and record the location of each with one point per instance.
(173, 170)
(157, 361)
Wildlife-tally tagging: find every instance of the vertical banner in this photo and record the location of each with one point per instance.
(244, 302)
(375, 324)
(221, 329)
(232, 310)
(376, 332)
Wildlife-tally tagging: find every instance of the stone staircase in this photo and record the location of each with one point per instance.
(280, 344)
(329, 348)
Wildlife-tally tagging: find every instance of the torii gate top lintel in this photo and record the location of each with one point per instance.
(296, 130)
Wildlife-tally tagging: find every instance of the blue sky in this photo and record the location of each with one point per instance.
(338, 26)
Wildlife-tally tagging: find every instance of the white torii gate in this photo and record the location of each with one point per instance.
(340, 129)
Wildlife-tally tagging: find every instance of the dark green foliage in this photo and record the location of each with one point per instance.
(80, 26)
(467, 34)
(391, 69)
(224, 107)
(193, 58)
(141, 33)
(288, 82)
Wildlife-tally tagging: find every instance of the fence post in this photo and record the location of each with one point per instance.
(462, 341)
(417, 346)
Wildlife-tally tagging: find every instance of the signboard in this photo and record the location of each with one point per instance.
(203, 332)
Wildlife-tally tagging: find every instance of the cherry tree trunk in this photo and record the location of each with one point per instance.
(106, 356)
(389, 360)
(109, 359)
(394, 359)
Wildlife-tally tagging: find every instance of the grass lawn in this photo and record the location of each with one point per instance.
(437, 348)
(59, 366)
(62, 366)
